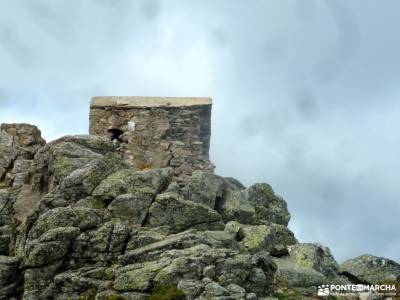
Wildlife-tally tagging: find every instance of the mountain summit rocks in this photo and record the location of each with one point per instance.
(79, 222)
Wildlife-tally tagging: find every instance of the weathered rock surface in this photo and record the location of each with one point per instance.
(19, 143)
(371, 269)
(268, 206)
(314, 256)
(181, 214)
(58, 159)
(201, 187)
(265, 237)
(81, 182)
(9, 276)
(306, 265)
(291, 274)
(78, 222)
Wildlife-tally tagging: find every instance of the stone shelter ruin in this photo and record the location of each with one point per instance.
(156, 132)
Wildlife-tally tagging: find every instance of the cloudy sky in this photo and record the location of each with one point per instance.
(306, 93)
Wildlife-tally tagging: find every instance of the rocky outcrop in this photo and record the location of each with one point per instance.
(95, 228)
(371, 269)
(58, 159)
(9, 276)
(19, 144)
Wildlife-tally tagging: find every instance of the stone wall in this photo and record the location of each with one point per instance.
(155, 132)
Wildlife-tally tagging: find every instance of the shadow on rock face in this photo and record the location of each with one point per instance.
(79, 221)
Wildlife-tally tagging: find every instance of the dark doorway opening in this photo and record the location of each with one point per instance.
(115, 134)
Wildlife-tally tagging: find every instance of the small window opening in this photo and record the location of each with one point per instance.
(115, 134)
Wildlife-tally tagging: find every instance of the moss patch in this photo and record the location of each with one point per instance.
(90, 294)
(288, 294)
(167, 292)
(114, 297)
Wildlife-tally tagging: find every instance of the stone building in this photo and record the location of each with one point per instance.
(155, 132)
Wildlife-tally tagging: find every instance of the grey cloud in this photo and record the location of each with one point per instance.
(219, 36)
(306, 104)
(347, 41)
(305, 10)
(151, 8)
(271, 124)
(108, 3)
(12, 43)
(51, 19)
(4, 100)
(305, 94)
(275, 49)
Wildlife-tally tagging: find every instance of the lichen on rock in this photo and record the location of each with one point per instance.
(79, 222)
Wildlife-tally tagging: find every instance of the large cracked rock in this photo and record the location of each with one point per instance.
(19, 144)
(77, 222)
(51, 246)
(268, 205)
(314, 256)
(180, 214)
(9, 276)
(202, 187)
(307, 265)
(272, 237)
(196, 267)
(255, 205)
(371, 269)
(60, 158)
(128, 181)
(291, 274)
(81, 182)
(82, 218)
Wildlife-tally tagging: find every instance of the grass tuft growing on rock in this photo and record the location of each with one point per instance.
(114, 297)
(288, 294)
(89, 294)
(167, 292)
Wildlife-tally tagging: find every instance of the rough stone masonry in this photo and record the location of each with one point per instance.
(156, 132)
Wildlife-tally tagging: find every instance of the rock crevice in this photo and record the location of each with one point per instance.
(79, 222)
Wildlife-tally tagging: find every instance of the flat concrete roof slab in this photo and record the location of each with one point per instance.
(139, 101)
